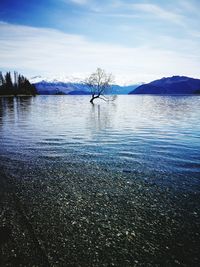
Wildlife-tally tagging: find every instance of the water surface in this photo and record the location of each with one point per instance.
(114, 184)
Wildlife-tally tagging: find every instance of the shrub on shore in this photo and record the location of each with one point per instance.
(20, 85)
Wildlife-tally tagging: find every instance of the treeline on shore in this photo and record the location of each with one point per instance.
(19, 86)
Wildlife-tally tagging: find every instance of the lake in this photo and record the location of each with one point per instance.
(110, 184)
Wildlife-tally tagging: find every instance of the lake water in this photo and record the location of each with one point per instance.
(114, 184)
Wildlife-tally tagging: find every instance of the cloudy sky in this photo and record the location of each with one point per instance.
(136, 40)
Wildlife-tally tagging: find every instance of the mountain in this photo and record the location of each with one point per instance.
(56, 87)
(170, 86)
(122, 89)
(76, 92)
(72, 86)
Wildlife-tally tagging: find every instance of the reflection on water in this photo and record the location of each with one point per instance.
(100, 117)
(13, 107)
(107, 184)
(161, 133)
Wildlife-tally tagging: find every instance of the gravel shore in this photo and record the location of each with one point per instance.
(92, 217)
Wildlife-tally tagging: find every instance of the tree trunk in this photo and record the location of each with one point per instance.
(93, 98)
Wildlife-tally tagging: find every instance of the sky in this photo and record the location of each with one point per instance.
(136, 40)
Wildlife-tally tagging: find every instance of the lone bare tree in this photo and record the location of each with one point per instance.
(100, 84)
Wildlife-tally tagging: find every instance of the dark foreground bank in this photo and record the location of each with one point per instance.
(82, 219)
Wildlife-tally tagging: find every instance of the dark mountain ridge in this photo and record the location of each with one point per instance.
(170, 86)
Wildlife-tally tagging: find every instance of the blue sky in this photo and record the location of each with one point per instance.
(135, 40)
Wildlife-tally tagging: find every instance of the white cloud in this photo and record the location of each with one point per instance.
(159, 12)
(46, 51)
(80, 2)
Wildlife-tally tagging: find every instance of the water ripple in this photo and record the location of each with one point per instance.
(159, 133)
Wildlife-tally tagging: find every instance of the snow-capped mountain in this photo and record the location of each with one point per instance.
(59, 79)
(71, 85)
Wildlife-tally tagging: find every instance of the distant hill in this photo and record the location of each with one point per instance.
(170, 86)
(123, 90)
(56, 87)
(76, 92)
